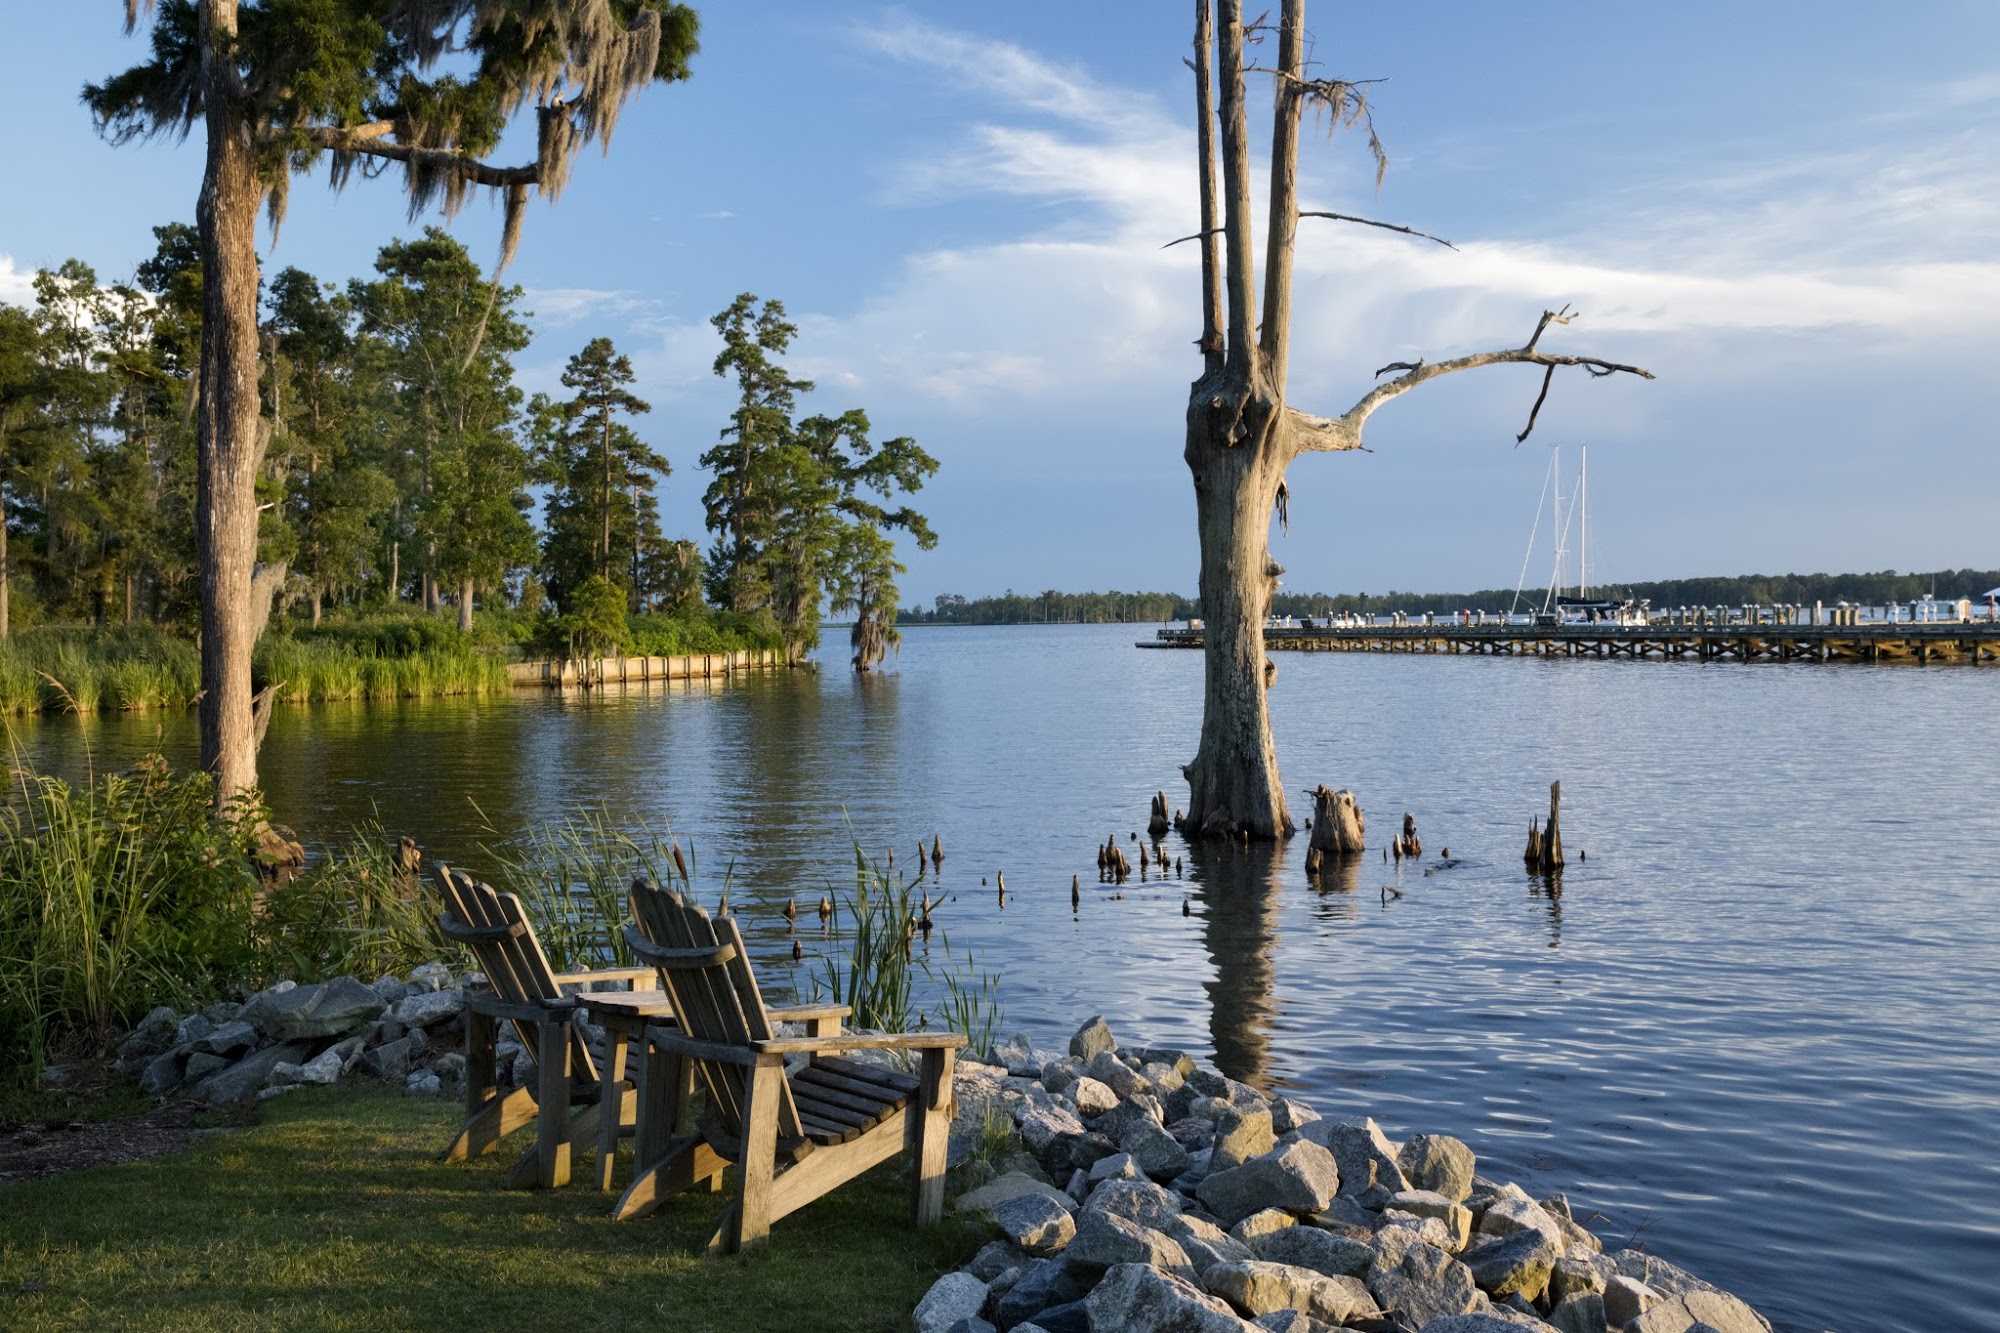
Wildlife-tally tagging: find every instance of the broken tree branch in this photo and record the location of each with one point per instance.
(1385, 226)
(1321, 434)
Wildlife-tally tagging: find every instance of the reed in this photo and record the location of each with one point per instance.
(573, 877)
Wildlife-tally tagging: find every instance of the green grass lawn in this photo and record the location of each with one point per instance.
(333, 1213)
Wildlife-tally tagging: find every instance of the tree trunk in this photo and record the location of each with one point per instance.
(1338, 829)
(229, 447)
(465, 606)
(315, 607)
(5, 572)
(1233, 783)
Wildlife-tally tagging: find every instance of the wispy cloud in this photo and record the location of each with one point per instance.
(557, 307)
(17, 285)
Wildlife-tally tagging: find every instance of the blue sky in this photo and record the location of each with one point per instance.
(1786, 210)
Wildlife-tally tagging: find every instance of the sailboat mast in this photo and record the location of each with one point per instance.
(1583, 527)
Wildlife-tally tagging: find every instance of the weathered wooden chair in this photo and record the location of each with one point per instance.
(793, 1137)
(526, 992)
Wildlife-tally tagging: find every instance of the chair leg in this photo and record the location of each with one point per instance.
(686, 1163)
(760, 1149)
(609, 1092)
(491, 1121)
(554, 1099)
(932, 1107)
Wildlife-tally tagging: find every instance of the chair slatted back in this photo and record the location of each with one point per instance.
(706, 974)
(502, 940)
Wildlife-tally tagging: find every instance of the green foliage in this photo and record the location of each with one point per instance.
(352, 914)
(594, 625)
(1051, 607)
(573, 877)
(700, 631)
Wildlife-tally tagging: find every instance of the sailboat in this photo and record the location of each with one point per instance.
(1559, 607)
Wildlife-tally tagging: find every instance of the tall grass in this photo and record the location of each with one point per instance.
(320, 671)
(573, 877)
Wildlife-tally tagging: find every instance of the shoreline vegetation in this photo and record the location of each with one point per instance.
(383, 655)
(1127, 608)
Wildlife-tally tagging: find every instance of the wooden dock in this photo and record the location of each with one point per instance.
(1971, 642)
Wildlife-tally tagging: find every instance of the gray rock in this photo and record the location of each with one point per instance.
(326, 1010)
(231, 1038)
(192, 1029)
(1043, 1126)
(1017, 1056)
(1299, 1177)
(1580, 1313)
(1092, 1097)
(1087, 1150)
(1036, 1223)
(1718, 1310)
(1164, 1078)
(1321, 1251)
(1057, 1075)
(1136, 1201)
(1288, 1115)
(1438, 1163)
(1078, 1187)
(1118, 1166)
(1156, 1152)
(161, 1075)
(1367, 1162)
(1520, 1263)
(1291, 1321)
(1574, 1277)
(265, 1094)
(1092, 1037)
(201, 1064)
(390, 1060)
(1457, 1218)
(1141, 1107)
(1179, 1061)
(1260, 1224)
(1133, 1298)
(429, 976)
(1513, 1211)
(1626, 1298)
(953, 1297)
(429, 1008)
(390, 989)
(240, 1081)
(994, 1258)
(1047, 1284)
(1206, 1243)
(972, 1324)
(1071, 1318)
(324, 1067)
(1115, 1074)
(1258, 1287)
(1473, 1323)
(158, 1021)
(1656, 1273)
(1425, 1284)
(1104, 1240)
(284, 1074)
(422, 1083)
(1002, 1188)
(1193, 1133)
(1241, 1133)
(1427, 1229)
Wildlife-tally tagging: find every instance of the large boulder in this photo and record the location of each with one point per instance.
(1456, 1217)
(327, 1010)
(1656, 1273)
(1241, 1133)
(1257, 1287)
(1036, 1223)
(1206, 1243)
(1002, 1188)
(1092, 1097)
(1105, 1240)
(1044, 1127)
(1154, 1151)
(232, 1038)
(161, 1075)
(953, 1297)
(1133, 1298)
(1512, 1211)
(1321, 1251)
(1716, 1309)
(1438, 1163)
(1140, 1107)
(1094, 1036)
(429, 1008)
(1138, 1201)
(1115, 1074)
(1424, 1284)
(1299, 1178)
(1480, 1323)
(247, 1077)
(1626, 1298)
(1580, 1313)
(1520, 1263)
(1367, 1162)
(1048, 1284)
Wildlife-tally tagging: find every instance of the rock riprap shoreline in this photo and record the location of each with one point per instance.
(1136, 1190)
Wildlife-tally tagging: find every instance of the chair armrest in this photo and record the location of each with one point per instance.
(799, 1013)
(631, 976)
(901, 1041)
(673, 1040)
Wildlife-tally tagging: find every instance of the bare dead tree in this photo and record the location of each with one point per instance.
(1241, 434)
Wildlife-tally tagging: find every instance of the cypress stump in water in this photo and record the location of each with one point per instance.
(1156, 824)
(1552, 838)
(1336, 827)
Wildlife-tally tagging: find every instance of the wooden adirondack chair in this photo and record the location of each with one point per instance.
(793, 1137)
(528, 993)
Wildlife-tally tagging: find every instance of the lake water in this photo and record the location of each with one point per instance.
(1758, 1029)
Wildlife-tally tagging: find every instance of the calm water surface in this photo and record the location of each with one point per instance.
(1758, 1030)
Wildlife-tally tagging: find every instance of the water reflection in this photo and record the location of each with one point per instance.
(1548, 887)
(1334, 889)
(1240, 888)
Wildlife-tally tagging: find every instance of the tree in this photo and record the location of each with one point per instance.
(278, 84)
(1241, 435)
(20, 413)
(602, 518)
(864, 583)
(740, 502)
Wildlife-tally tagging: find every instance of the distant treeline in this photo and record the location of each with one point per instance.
(1099, 608)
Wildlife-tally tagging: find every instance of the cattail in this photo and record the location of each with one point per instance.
(680, 864)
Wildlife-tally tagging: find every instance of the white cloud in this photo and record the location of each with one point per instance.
(17, 285)
(556, 307)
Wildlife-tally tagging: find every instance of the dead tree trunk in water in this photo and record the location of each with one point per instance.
(1241, 436)
(1337, 828)
(1552, 838)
